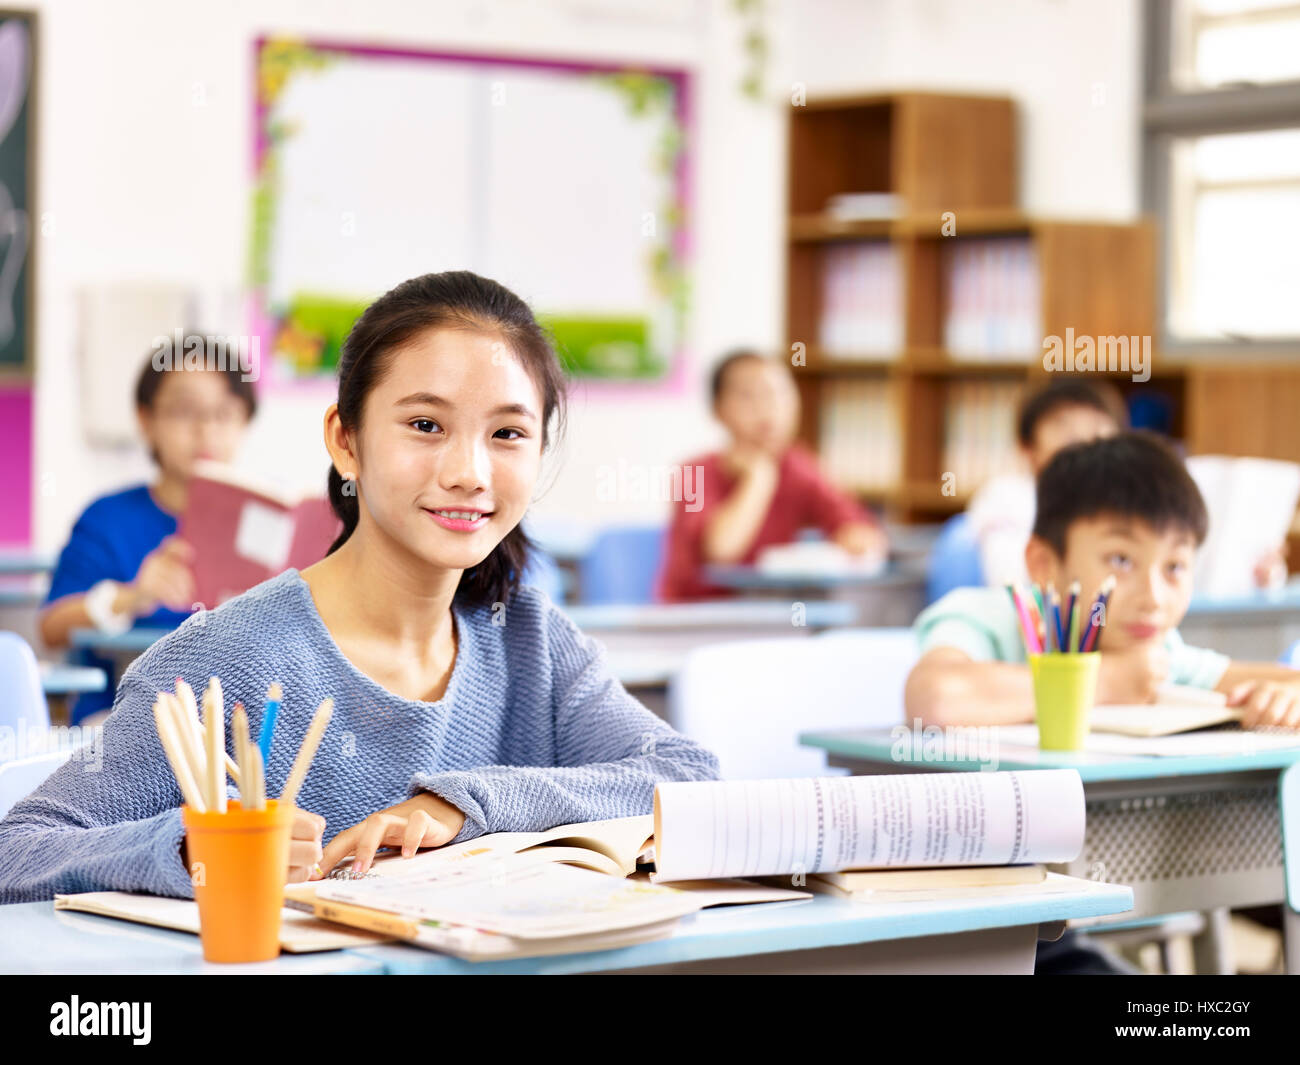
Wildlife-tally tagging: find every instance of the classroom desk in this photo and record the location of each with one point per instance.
(37, 939)
(891, 598)
(25, 562)
(821, 935)
(60, 679)
(1260, 626)
(1185, 833)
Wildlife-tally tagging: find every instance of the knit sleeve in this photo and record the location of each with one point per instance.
(108, 819)
(610, 753)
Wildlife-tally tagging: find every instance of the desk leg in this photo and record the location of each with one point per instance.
(1212, 948)
(1291, 940)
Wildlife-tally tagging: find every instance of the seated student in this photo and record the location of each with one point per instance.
(1125, 506)
(123, 566)
(1067, 410)
(464, 702)
(761, 490)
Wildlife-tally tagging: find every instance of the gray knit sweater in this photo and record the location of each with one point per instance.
(532, 732)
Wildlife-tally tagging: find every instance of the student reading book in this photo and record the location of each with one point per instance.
(464, 701)
(123, 565)
(1122, 506)
(762, 489)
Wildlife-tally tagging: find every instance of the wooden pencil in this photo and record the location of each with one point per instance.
(239, 727)
(170, 740)
(307, 752)
(214, 725)
(186, 695)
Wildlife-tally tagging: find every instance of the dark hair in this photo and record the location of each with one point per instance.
(151, 373)
(1066, 392)
(717, 377)
(1135, 474)
(455, 299)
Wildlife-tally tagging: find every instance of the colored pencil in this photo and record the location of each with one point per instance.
(1026, 623)
(1097, 612)
(273, 696)
(214, 725)
(307, 752)
(1072, 633)
(170, 739)
(186, 696)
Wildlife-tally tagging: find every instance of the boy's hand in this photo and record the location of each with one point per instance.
(1133, 675)
(1267, 703)
(424, 821)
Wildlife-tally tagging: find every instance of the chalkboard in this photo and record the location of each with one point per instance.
(17, 152)
(564, 181)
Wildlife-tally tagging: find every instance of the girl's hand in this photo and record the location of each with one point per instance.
(1133, 675)
(862, 538)
(1267, 702)
(424, 821)
(304, 845)
(165, 577)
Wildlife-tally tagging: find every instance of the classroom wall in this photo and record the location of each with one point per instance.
(144, 161)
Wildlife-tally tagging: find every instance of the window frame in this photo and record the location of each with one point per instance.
(1170, 113)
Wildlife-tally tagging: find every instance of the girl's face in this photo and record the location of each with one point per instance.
(194, 416)
(450, 446)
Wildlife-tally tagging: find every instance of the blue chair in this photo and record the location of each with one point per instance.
(622, 565)
(543, 572)
(23, 705)
(954, 560)
(1291, 656)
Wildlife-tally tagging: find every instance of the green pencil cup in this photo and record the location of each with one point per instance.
(1065, 688)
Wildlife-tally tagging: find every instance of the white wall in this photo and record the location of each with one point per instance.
(138, 181)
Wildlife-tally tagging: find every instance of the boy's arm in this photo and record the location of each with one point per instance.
(948, 687)
(1268, 694)
(731, 527)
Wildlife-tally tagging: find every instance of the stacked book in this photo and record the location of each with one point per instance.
(993, 304)
(862, 301)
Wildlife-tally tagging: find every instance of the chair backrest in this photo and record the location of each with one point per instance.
(747, 701)
(543, 572)
(21, 777)
(22, 704)
(1291, 656)
(622, 565)
(954, 560)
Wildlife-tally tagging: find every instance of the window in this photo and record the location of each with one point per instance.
(1221, 129)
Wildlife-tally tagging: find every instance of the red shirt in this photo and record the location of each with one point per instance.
(803, 497)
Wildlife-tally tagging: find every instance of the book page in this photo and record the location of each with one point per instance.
(743, 828)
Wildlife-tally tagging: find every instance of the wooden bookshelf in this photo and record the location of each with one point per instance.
(951, 161)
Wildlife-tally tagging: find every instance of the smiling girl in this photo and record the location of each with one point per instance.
(465, 702)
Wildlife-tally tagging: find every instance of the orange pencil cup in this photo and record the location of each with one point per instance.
(238, 862)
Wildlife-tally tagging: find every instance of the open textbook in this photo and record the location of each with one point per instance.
(1178, 708)
(746, 828)
(1251, 503)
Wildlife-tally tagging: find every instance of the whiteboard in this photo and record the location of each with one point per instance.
(377, 167)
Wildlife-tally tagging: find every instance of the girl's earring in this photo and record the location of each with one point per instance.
(349, 484)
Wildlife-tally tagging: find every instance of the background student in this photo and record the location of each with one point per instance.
(123, 565)
(1122, 506)
(761, 489)
(1067, 410)
(464, 701)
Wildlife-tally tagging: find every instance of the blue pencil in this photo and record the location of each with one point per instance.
(1054, 620)
(273, 696)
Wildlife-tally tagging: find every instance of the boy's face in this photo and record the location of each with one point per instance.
(194, 416)
(1153, 574)
(1066, 426)
(759, 405)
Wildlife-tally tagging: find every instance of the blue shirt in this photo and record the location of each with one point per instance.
(533, 731)
(109, 542)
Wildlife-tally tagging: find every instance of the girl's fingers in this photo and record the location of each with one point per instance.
(1239, 692)
(417, 826)
(304, 853)
(369, 840)
(307, 826)
(338, 848)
